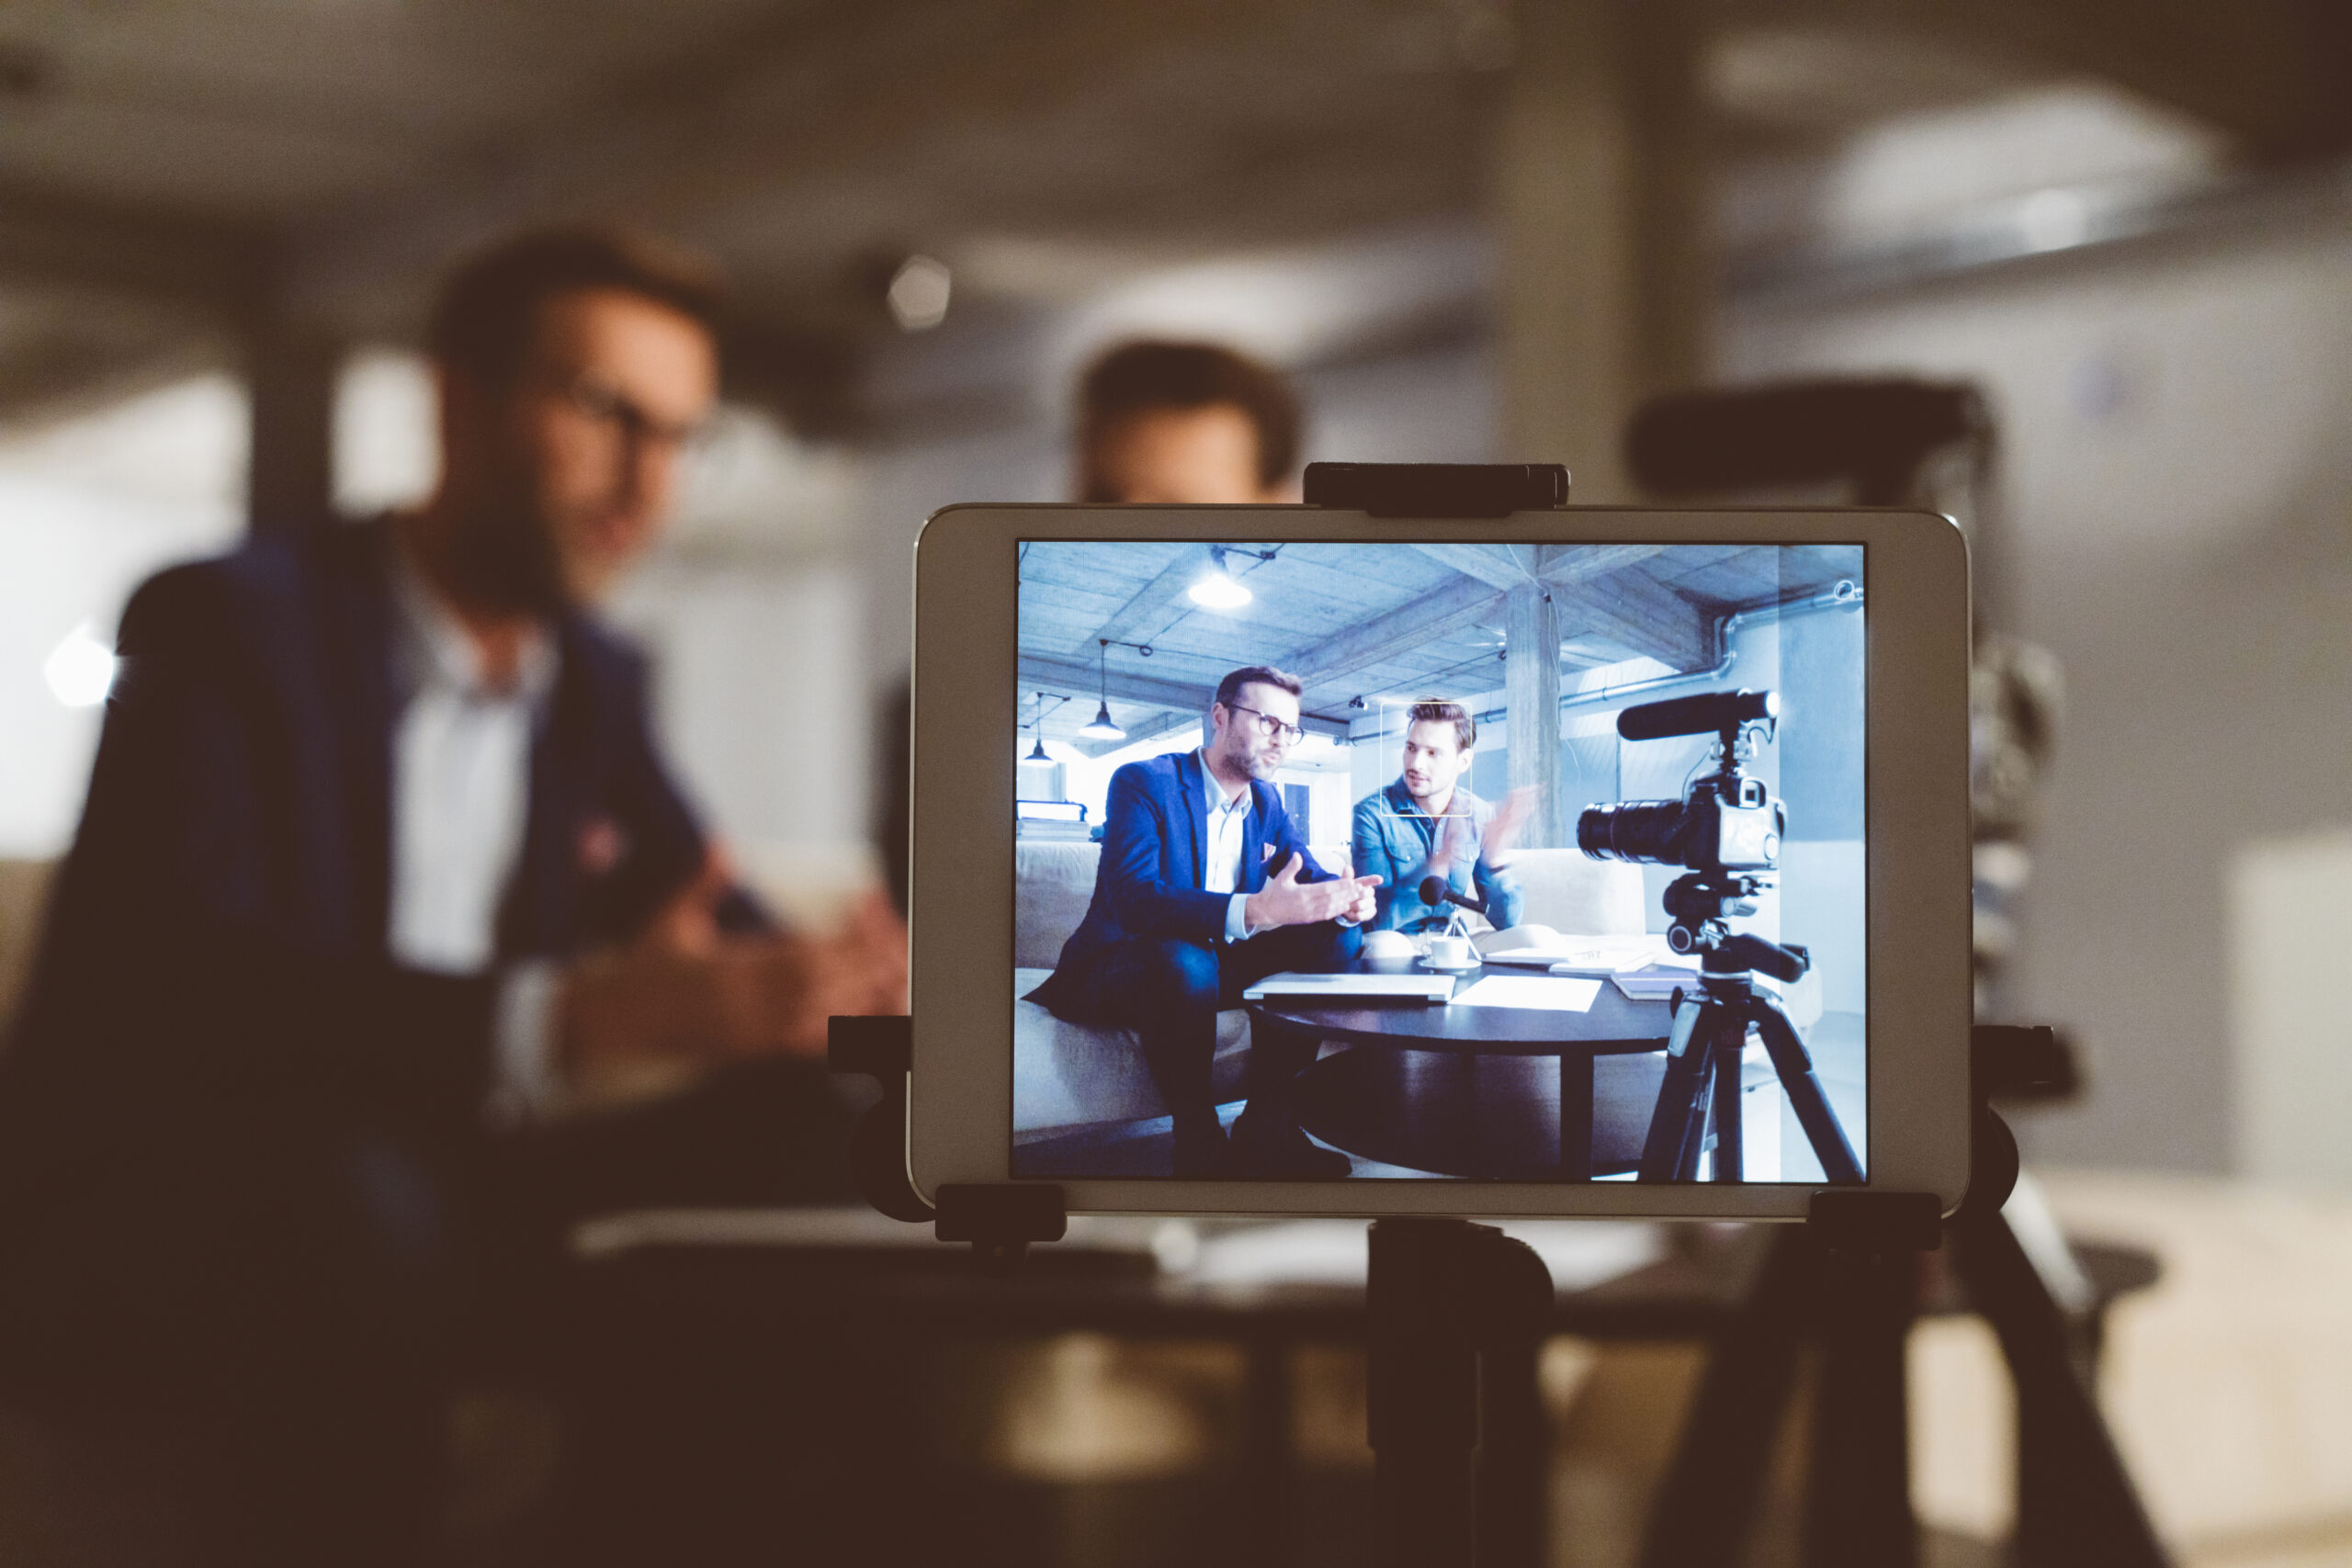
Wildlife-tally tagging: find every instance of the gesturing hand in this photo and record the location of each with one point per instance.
(1286, 901)
(1510, 815)
(687, 992)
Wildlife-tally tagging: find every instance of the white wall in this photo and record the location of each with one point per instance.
(2290, 925)
(89, 508)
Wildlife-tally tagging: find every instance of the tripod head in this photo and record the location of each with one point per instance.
(1702, 906)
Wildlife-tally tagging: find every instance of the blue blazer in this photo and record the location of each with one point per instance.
(214, 1025)
(1150, 881)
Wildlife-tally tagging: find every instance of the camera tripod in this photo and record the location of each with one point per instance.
(1711, 1027)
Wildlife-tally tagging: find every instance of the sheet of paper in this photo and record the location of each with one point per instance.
(1549, 993)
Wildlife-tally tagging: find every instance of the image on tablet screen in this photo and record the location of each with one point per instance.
(1384, 860)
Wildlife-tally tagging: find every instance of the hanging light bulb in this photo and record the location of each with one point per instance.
(1101, 729)
(1037, 751)
(1217, 589)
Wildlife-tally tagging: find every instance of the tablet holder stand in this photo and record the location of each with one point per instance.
(1458, 1312)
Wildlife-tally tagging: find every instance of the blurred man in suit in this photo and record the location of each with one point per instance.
(1206, 887)
(379, 863)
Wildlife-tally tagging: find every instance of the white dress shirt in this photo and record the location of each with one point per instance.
(462, 784)
(1221, 856)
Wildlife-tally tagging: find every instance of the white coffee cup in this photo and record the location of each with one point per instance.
(1452, 951)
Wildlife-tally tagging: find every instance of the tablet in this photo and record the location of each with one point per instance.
(1583, 861)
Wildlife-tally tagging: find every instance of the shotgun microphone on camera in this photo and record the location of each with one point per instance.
(1435, 890)
(1698, 715)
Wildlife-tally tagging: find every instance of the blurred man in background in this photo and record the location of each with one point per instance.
(1186, 424)
(379, 866)
(1173, 424)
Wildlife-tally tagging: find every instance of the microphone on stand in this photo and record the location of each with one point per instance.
(1436, 890)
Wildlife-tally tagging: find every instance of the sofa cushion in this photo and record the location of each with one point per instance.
(1578, 895)
(1067, 1075)
(1053, 882)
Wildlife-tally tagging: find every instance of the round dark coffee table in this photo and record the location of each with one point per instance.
(1406, 1093)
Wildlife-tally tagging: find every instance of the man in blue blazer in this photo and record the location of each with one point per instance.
(378, 859)
(1205, 887)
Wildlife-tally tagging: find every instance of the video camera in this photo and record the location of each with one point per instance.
(1728, 822)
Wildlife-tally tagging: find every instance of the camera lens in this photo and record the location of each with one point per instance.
(1647, 830)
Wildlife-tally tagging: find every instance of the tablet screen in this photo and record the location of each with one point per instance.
(1385, 860)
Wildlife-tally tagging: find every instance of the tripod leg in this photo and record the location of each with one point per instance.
(1694, 1130)
(1514, 1455)
(2076, 1501)
(1731, 1151)
(1678, 1097)
(1794, 1066)
(1707, 1502)
(1422, 1393)
(1858, 1489)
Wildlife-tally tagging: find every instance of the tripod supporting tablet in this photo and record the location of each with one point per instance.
(1847, 1282)
(1455, 1412)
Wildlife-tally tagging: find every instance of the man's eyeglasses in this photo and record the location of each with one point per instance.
(616, 411)
(1288, 734)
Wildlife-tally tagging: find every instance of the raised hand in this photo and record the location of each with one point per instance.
(1286, 901)
(1510, 815)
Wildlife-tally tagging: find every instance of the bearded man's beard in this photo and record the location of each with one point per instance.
(508, 562)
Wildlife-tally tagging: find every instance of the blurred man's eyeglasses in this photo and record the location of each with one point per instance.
(618, 412)
(1288, 734)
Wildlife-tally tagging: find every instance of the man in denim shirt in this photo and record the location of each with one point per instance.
(1428, 824)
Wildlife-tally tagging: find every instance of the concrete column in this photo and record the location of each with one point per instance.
(1607, 283)
(290, 373)
(1532, 708)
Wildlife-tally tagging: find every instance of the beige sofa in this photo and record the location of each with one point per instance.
(1067, 1075)
(24, 892)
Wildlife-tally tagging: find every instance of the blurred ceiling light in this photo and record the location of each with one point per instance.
(2054, 220)
(1216, 590)
(918, 291)
(80, 670)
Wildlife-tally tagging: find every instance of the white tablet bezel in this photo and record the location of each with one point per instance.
(967, 715)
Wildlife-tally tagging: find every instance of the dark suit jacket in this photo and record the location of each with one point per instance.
(1149, 882)
(223, 1091)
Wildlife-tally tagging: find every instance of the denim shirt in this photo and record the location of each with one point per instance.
(1393, 838)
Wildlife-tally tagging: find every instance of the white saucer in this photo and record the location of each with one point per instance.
(1451, 968)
